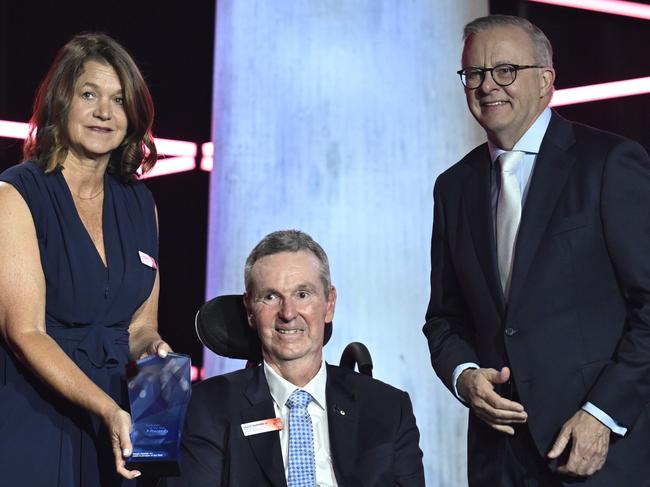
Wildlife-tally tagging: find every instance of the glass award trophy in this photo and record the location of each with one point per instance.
(159, 392)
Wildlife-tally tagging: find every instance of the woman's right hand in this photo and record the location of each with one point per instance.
(118, 424)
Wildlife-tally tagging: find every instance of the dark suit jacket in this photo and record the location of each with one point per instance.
(577, 324)
(374, 444)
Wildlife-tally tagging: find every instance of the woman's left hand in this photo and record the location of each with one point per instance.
(157, 347)
(144, 340)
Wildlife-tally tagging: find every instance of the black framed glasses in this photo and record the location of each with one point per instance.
(502, 74)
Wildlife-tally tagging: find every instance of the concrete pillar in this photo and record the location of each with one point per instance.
(335, 117)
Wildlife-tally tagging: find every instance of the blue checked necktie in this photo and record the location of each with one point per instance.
(302, 466)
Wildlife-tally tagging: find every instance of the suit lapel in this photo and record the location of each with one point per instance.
(477, 198)
(342, 418)
(551, 171)
(266, 446)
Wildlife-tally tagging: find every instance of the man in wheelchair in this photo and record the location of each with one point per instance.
(295, 420)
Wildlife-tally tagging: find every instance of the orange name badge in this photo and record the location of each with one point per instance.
(261, 426)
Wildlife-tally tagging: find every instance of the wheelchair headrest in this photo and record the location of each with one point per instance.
(222, 326)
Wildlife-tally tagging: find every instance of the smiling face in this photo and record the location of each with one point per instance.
(97, 122)
(506, 112)
(288, 307)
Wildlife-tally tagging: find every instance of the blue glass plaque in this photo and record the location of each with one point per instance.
(159, 393)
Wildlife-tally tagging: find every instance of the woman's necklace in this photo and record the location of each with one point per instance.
(89, 197)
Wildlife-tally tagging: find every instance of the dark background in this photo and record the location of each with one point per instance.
(173, 44)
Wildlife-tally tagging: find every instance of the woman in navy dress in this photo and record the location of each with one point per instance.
(78, 272)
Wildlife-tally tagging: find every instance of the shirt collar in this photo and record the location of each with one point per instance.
(281, 388)
(531, 141)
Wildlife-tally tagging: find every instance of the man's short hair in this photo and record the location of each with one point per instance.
(288, 241)
(543, 48)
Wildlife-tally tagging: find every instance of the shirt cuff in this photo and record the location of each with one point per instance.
(459, 370)
(604, 418)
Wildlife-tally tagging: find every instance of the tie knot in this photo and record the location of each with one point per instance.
(510, 160)
(299, 399)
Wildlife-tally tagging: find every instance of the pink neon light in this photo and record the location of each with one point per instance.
(197, 373)
(186, 151)
(616, 7)
(171, 165)
(207, 161)
(602, 91)
(175, 147)
(14, 130)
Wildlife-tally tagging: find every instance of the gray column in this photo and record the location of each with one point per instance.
(335, 117)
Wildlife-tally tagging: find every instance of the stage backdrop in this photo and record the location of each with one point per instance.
(335, 117)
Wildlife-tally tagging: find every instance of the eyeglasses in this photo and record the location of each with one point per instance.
(502, 74)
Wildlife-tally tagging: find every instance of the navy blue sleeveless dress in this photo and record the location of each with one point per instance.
(44, 439)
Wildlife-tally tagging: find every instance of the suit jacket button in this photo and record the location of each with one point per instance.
(510, 331)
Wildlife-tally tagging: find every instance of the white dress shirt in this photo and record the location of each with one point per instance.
(529, 144)
(281, 389)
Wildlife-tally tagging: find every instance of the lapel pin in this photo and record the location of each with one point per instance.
(339, 410)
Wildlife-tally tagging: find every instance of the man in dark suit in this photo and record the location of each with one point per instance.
(240, 429)
(539, 317)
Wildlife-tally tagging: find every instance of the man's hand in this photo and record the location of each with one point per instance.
(589, 445)
(476, 386)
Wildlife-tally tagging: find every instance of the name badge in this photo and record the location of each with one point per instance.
(261, 426)
(147, 260)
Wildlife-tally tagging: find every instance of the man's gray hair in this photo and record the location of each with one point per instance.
(543, 48)
(288, 241)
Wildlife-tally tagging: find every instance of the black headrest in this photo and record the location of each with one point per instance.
(222, 326)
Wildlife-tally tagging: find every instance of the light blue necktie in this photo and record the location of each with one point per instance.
(302, 466)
